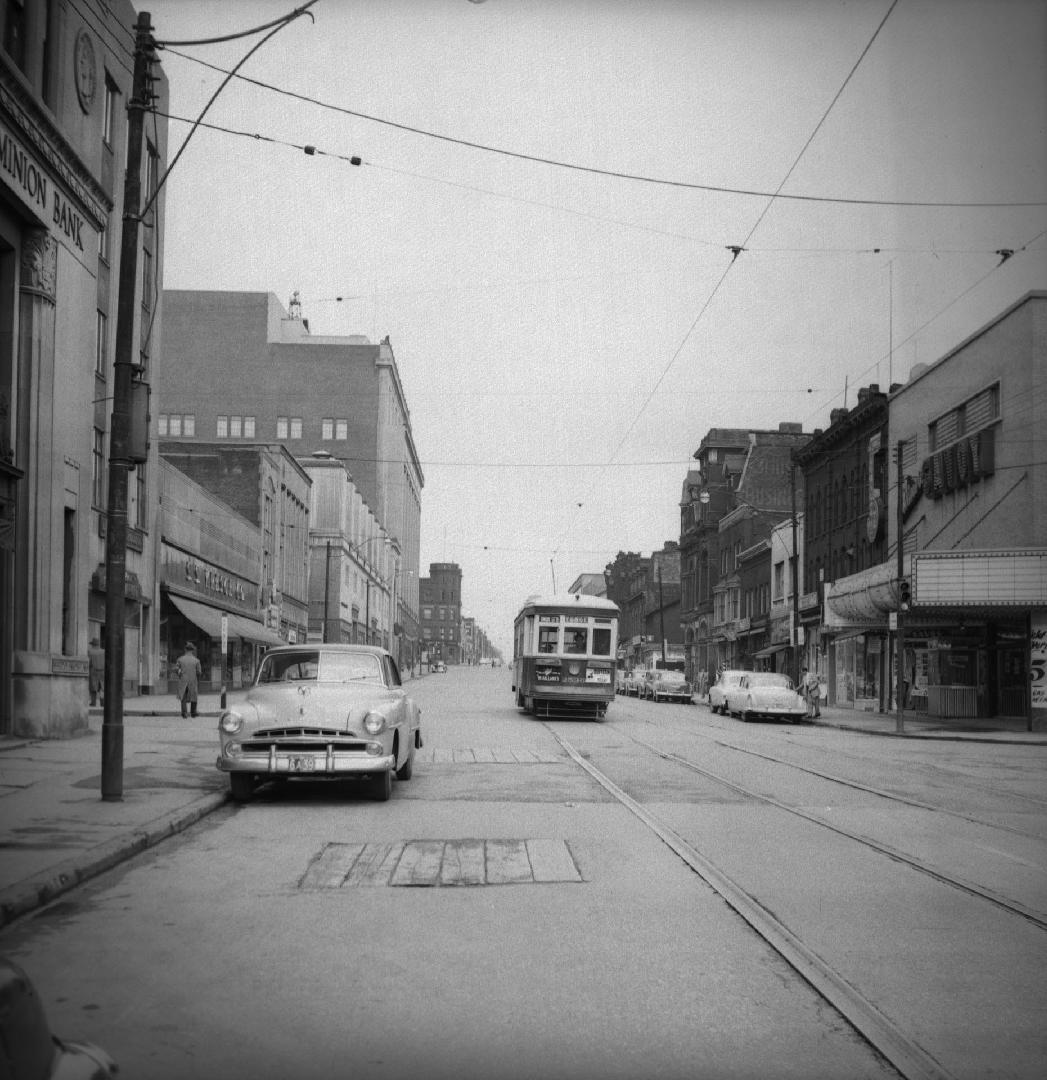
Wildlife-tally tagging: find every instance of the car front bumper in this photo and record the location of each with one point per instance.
(306, 762)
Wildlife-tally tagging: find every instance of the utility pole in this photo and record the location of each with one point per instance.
(900, 632)
(122, 456)
(794, 565)
(661, 610)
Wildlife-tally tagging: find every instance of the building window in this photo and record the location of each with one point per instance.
(281, 427)
(101, 342)
(326, 428)
(147, 280)
(341, 429)
(236, 429)
(189, 424)
(109, 113)
(248, 427)
(14, 31)
(296, 427)
(222, 427)
(98, 469)
(103, 241)
(975, 413)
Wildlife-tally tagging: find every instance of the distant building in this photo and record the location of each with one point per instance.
(588, 585)
(440, 596)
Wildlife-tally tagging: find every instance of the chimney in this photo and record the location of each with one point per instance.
(837, 415)
(790, 427)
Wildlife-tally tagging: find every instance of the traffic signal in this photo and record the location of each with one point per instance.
(904, 594)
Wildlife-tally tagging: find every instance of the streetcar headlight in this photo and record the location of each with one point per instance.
(231, 723)
(374, 723)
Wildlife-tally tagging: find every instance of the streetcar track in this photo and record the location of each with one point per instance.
(952, 775)
(906, 1055)
(974, 889)
(857, 785)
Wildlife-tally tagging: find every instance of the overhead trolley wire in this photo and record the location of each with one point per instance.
(591, 169)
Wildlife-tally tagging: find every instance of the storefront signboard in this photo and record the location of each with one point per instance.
(980, 578)
(1038, 653)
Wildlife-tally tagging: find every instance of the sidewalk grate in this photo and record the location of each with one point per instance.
(429, 863)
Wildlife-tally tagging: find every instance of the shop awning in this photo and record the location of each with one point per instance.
(769, 651)
(867, 596)
(250, 630)
(209, 620)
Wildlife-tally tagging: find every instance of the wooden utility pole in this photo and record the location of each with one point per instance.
(121, 457)
(900, 632)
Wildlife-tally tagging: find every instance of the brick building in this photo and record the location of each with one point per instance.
(440, 598)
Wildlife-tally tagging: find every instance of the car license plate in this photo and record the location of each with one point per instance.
(301, 764)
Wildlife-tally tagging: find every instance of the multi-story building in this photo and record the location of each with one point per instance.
(972, 515)
(266, 486)
(211, 585)
(851, 589)
(353, 562)
(277, 382)
(65, 87)
(441, 613)
(589, 585)
(651, 615)
(747, 473)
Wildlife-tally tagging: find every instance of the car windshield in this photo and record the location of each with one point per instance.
(770, 678)
(320, 666)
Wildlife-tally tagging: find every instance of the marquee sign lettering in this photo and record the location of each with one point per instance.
(212, 581)
(960, 464)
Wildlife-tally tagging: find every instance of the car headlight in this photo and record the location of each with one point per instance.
(231, 723)
(374, 723)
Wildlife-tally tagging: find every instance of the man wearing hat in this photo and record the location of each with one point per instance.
(189, 669)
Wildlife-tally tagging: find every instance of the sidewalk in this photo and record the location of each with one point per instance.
(57, 832)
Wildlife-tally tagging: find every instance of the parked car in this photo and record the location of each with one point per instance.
(766, 694)
(634, 682)
(667, 685)
(29, 1050)
(438, 666)
(727, 680)
(321, 712)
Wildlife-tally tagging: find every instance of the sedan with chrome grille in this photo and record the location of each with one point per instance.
(321, 712)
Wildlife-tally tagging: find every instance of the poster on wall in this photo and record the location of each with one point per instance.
(1038, 657)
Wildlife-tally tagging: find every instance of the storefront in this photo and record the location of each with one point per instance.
(971, 628)
(214, 608)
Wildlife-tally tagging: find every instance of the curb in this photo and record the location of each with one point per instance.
(34, 893)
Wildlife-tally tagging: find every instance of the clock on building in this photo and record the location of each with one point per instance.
(86, 70)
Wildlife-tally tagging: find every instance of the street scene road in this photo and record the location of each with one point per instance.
(668, 893)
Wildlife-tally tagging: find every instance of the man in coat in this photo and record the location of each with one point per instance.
(96, 671)
(189, 669)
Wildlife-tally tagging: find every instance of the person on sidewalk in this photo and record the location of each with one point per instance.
(812, 691)
(95, 671)
(189, 669)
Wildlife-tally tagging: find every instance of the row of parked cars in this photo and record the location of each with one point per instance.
(749, 695)
(655, 684)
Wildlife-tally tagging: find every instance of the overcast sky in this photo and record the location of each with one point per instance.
(566, 336)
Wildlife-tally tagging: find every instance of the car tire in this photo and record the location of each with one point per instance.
(406, 770)
(745, 712)
(383, 786)
(712, 707)
(241, 785)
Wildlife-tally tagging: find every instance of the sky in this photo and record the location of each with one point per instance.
(594, 229)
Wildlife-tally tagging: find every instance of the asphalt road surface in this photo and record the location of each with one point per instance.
(665, 894)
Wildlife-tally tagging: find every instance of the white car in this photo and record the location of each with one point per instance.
(321, 712)
(728, 680)
(765, 694)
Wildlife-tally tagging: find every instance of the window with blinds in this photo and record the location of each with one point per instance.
(975, 413)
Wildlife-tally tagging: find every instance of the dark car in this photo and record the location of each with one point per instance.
(29, 1050)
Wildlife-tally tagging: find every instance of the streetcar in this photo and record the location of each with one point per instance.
(564, 656)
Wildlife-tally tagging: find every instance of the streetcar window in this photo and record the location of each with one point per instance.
(575, 639)
(601, 641)
(547, 636)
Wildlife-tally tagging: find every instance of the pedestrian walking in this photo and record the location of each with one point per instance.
(811, 688)
(96, 671)
(189, 669)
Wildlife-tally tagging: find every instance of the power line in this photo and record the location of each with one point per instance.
(593, 170)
